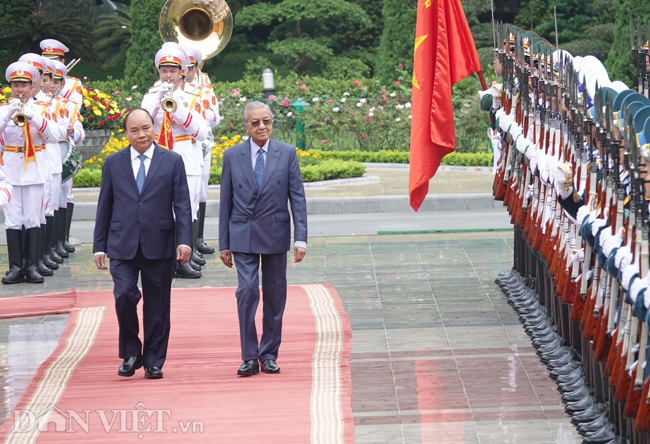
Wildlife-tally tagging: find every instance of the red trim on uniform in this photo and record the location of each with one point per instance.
(43, 126)
(188, 120)
(196, 134)
(53, 51)
(67, 94)
(8, 193)
(20, 74)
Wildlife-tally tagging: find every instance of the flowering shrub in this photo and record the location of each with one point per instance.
(114, 145)
(99, 110)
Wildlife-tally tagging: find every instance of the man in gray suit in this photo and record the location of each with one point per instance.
(259, 178)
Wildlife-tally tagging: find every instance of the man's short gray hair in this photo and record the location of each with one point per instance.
(254, 105)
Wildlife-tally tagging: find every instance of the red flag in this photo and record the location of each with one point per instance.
(444, 54)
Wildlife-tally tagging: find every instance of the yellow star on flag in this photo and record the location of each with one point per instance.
(418, 42)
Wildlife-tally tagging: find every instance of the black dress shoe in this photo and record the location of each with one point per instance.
(269, 366)
(186, 272)
(130, 365)
(249, 368)
(153, 372)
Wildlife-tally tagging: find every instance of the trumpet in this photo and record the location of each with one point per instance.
(168, 104)
(20, 119)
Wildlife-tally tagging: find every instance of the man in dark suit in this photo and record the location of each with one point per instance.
(143, 188)
(259, 178)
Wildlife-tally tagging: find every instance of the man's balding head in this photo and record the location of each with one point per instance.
(139, 129)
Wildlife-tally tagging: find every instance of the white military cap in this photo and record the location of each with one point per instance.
(171, 55)
(35, 60)
(51, 67)
(53, 48)
(194, 54)
(21, 72)
(60, 71)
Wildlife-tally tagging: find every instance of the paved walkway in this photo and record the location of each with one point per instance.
(438, 356)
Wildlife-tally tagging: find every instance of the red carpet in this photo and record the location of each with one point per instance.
(38, 305)
(200, 398)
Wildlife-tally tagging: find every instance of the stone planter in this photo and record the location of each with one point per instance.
(93, 144)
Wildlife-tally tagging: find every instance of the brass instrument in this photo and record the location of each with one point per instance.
(72, 64)
(168, 104)
(20, 119)
(205, 24)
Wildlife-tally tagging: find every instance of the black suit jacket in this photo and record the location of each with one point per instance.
(126, 218)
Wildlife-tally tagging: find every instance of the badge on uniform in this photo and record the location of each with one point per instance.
(197, 107)
(206, 104)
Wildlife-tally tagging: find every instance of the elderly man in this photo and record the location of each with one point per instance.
(259, 178)
(143, 188)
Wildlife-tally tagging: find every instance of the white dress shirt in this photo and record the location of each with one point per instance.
(135, 160)
(254, 153)
(135, 164)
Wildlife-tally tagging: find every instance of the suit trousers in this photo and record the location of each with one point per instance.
(156, 291)
(25, 207)
(274, 293)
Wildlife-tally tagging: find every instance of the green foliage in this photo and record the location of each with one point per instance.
(304, 32)
(113, 38)
(397, 38)
(88, 178)
(619, 63)
(323, 170)
(23, 33)
(468, 159)
(145, 42)
(383, 156)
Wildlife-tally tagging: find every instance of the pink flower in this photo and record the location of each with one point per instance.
(229, 123)
(117, 93)
(235, 92)
(363, 137)
(329, 101)
(271, 97)
(367, 117)
(356, 83)
(383, 91)
(303, 86)
(285, 102)
(400, 65)
(297, 83)
(363, 87)
(397, 83)
(385, 100)
(352, 134)
(324, 141)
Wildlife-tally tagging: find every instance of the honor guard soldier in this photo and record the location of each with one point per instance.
(212, 117)
(69, 114)
(23, 132)
(177, 122)
(48, 157)
(71, 90)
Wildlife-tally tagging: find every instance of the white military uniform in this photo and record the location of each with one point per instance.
(27, 178)
(213, 103)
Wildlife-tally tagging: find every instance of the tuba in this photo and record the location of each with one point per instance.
(205, 24)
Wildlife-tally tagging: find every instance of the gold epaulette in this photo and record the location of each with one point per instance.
(40, 102)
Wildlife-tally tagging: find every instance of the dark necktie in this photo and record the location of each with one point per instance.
(141, 173)
(259, 168)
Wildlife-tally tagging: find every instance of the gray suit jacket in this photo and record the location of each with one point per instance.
(259, 222)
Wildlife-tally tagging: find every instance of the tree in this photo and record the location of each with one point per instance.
(145, 42)
(65, 9)
(113, 37)
(305, 32)
(619, 63)
(397, 38)
(23, 33)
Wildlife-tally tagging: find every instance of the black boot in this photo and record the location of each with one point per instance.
(15, 250)
(31, 274)
(196, 258)
(42, 268)
(59, 234)
(47, 252)
(51, 236)
(201, 246)
(186, 272)
(66, 243)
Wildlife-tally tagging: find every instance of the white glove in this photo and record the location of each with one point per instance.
(10, 109)
(162, 90)
(636, 287)
(523, 144)
(627, 274)
(583, 212)
(29, 111)
(579, 256)
(612, 242)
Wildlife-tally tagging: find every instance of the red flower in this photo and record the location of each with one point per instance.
(87, 89)
(385, 100)
(104, 103)
(90, 117)
(324, 141)
(96, 99)
(363, 137)
(352, 134)
(102, 123)
(118, 115)
(229, 123)
(397, 83)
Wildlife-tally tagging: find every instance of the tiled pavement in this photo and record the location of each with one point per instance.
(437, 356)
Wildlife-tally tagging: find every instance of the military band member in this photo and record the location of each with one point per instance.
(176, 126)
(212, 117)
(71, 90)
(23, 131)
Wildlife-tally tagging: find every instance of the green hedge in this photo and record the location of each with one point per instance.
(88, 178)
(393, 156)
